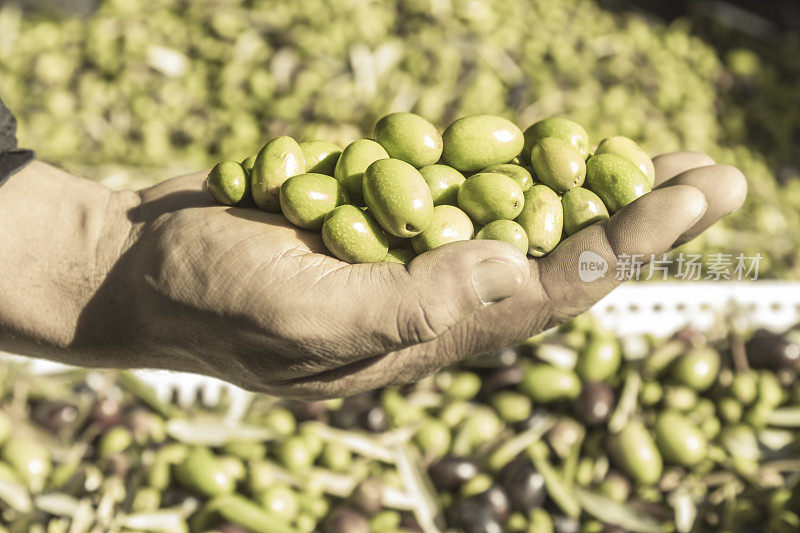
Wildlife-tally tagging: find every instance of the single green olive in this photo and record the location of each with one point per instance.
(635, 452)
(295, 454)
(280, 420)
(336, 456)
(460, 385)
(650, 393)
(409, 137)
(679, 440)
(547, 383)
(433, 437)
(730, 409)
(116, 439)
(228, 183)
(30, 459)
(558, 164)
(770, 390)
(512, 407)
(320, 156)
(233, 467)
(615, 487)
(444, 182)
(744, 387)
(680, 397)
(479, 141)
(202, 472)
(506, 231)
(281, 501)
(563, 128)
(601, 358)
(146, 499)
(518, 173)
(697, 368)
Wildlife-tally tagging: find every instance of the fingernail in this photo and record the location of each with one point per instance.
(495, 280)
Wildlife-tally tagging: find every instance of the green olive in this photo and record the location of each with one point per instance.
(443, 182)
(280, 420)
(202, 472)
(770, 390)
(600, 360)
(635, 452)
(546, 383)
(30, 459)
(281, 501)
(336, 456)
(409, 137)
(730, 410)
(320, 156)
(744, 387)
(116, 439)
(433, 437)
(518, 173)
(228, 183)
(146, 499)
(697, 368)
(295, 454)
(512, 407)
(678, 439)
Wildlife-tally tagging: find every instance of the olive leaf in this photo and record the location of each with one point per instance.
(787, 417)
(615, 513)
(164, 521)
(16, 496)
(215, 433)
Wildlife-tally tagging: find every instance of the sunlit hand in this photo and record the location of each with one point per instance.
(243, 295)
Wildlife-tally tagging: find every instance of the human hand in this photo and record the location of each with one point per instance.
(245, 296)
(164, 278)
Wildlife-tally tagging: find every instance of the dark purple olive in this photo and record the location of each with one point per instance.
(565, 524)
(346, 520)
(770, 350)
(106, 412)
(471, 517)
(595, 403)
(495, 499)
(502, 378)
(231, 528)
(346, 417)
(374, 419)
(118, 464)
(409, 524)
(524, 484)
(451, 471)
(367, 496)
(55, 416)
(303, 411)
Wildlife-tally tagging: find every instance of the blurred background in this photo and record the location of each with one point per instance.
(130, 92)
(565, 433)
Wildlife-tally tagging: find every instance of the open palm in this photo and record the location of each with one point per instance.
(245, 296)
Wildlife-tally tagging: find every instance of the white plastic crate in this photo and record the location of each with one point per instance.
(657, 308)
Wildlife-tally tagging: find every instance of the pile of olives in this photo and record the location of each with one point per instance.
(575, 431)
(412, 189)
(139, 91)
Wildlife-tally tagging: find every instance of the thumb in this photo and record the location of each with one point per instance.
(453, 281)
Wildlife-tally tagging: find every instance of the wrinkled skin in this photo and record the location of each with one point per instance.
(168, 279)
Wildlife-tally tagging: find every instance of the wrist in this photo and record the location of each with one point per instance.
(61, 238)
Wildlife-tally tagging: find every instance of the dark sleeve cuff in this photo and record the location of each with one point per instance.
(12, 159)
